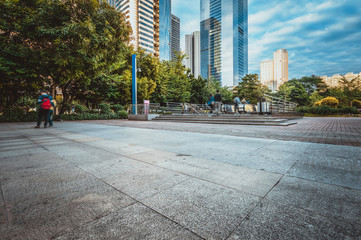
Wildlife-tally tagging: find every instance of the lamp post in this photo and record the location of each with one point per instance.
(134, 83)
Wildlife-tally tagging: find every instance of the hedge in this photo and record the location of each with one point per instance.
(19, 115)
(327, 110)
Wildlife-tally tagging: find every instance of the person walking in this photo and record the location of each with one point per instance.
(44, 102)
(210, 102)
(218, 100)
(236, 102)
(244, 102)
(50, 115)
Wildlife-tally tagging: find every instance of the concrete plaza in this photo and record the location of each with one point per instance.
(145, 180)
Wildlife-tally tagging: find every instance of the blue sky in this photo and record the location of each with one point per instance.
(323, 37)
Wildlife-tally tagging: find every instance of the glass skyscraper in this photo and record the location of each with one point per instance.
(224, 40)
(165, 29)
(151, 24)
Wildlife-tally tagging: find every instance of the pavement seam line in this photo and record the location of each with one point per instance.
(96, 147)
(135, 200)
(4, 204)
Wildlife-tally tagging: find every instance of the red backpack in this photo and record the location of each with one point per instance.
(46, 103)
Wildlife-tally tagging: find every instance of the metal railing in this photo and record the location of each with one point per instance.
(278, 105)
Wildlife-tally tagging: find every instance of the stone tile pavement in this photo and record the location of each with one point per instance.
(327, 130)
(135, 180)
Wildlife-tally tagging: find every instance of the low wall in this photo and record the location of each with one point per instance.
(142, 117)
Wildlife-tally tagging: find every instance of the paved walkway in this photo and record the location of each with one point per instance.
(89, 180)
(339, 130)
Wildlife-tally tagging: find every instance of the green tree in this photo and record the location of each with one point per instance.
(18, 62)
(178, 82)
(199, 93)
(294, 91)
(66, 43)
(251, 88)
(312, 84)
(351, 89)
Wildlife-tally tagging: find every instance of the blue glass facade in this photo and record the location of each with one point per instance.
(224, 40)
(165, 25)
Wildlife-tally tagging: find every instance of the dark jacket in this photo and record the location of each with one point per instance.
(218, 97)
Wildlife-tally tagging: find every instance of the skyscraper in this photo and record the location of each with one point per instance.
(151, 24)
(274, 73)
(280, 62)
(224, 40)
(165, 28)
(175, 41)
(192, 49)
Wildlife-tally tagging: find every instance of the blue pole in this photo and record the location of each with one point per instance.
(134, 83)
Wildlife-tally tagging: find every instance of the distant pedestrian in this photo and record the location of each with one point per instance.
(210, 102)
(50, 115)
(236, 102)
(218, 100)
(44, 102)
(244, 102)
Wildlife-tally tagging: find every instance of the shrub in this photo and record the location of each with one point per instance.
(330, 101)
(356, 103)
(18, 114)
(91, 116)
(80, 108)
(122, 114)
(105, 108)
(303, 109)
(317, 104)
(117, 107)
(348, 110)
(324, 110)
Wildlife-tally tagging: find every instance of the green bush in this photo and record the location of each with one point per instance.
(356, 103)
(117, 107)
(18, 114)
(91, 116)
(303, 109)
(348, 110)
(96, 111)
(327, 110)
(324, 110)
(122, 114)
(105, 108)
(80, 108)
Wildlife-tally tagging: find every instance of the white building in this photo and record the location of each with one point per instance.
(192, 49)
(274, 73)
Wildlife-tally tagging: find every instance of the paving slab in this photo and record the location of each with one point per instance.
(264, 163)
(348, 152)
(137, 179)
(93, 156)
(133, 222)
(23, 151)
(274, 221)
(249, 180)
(330, 175)
(53, 200)
(207, 209)
(94, 181)
(177, 162)
(345, 163)
(328, 200)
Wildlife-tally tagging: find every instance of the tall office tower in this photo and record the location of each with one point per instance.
(224, 40)
(151, 23)
(267, 75)
(274, 73)
(280, 66)
(165, 28)
(175, 42)
(192, 45)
